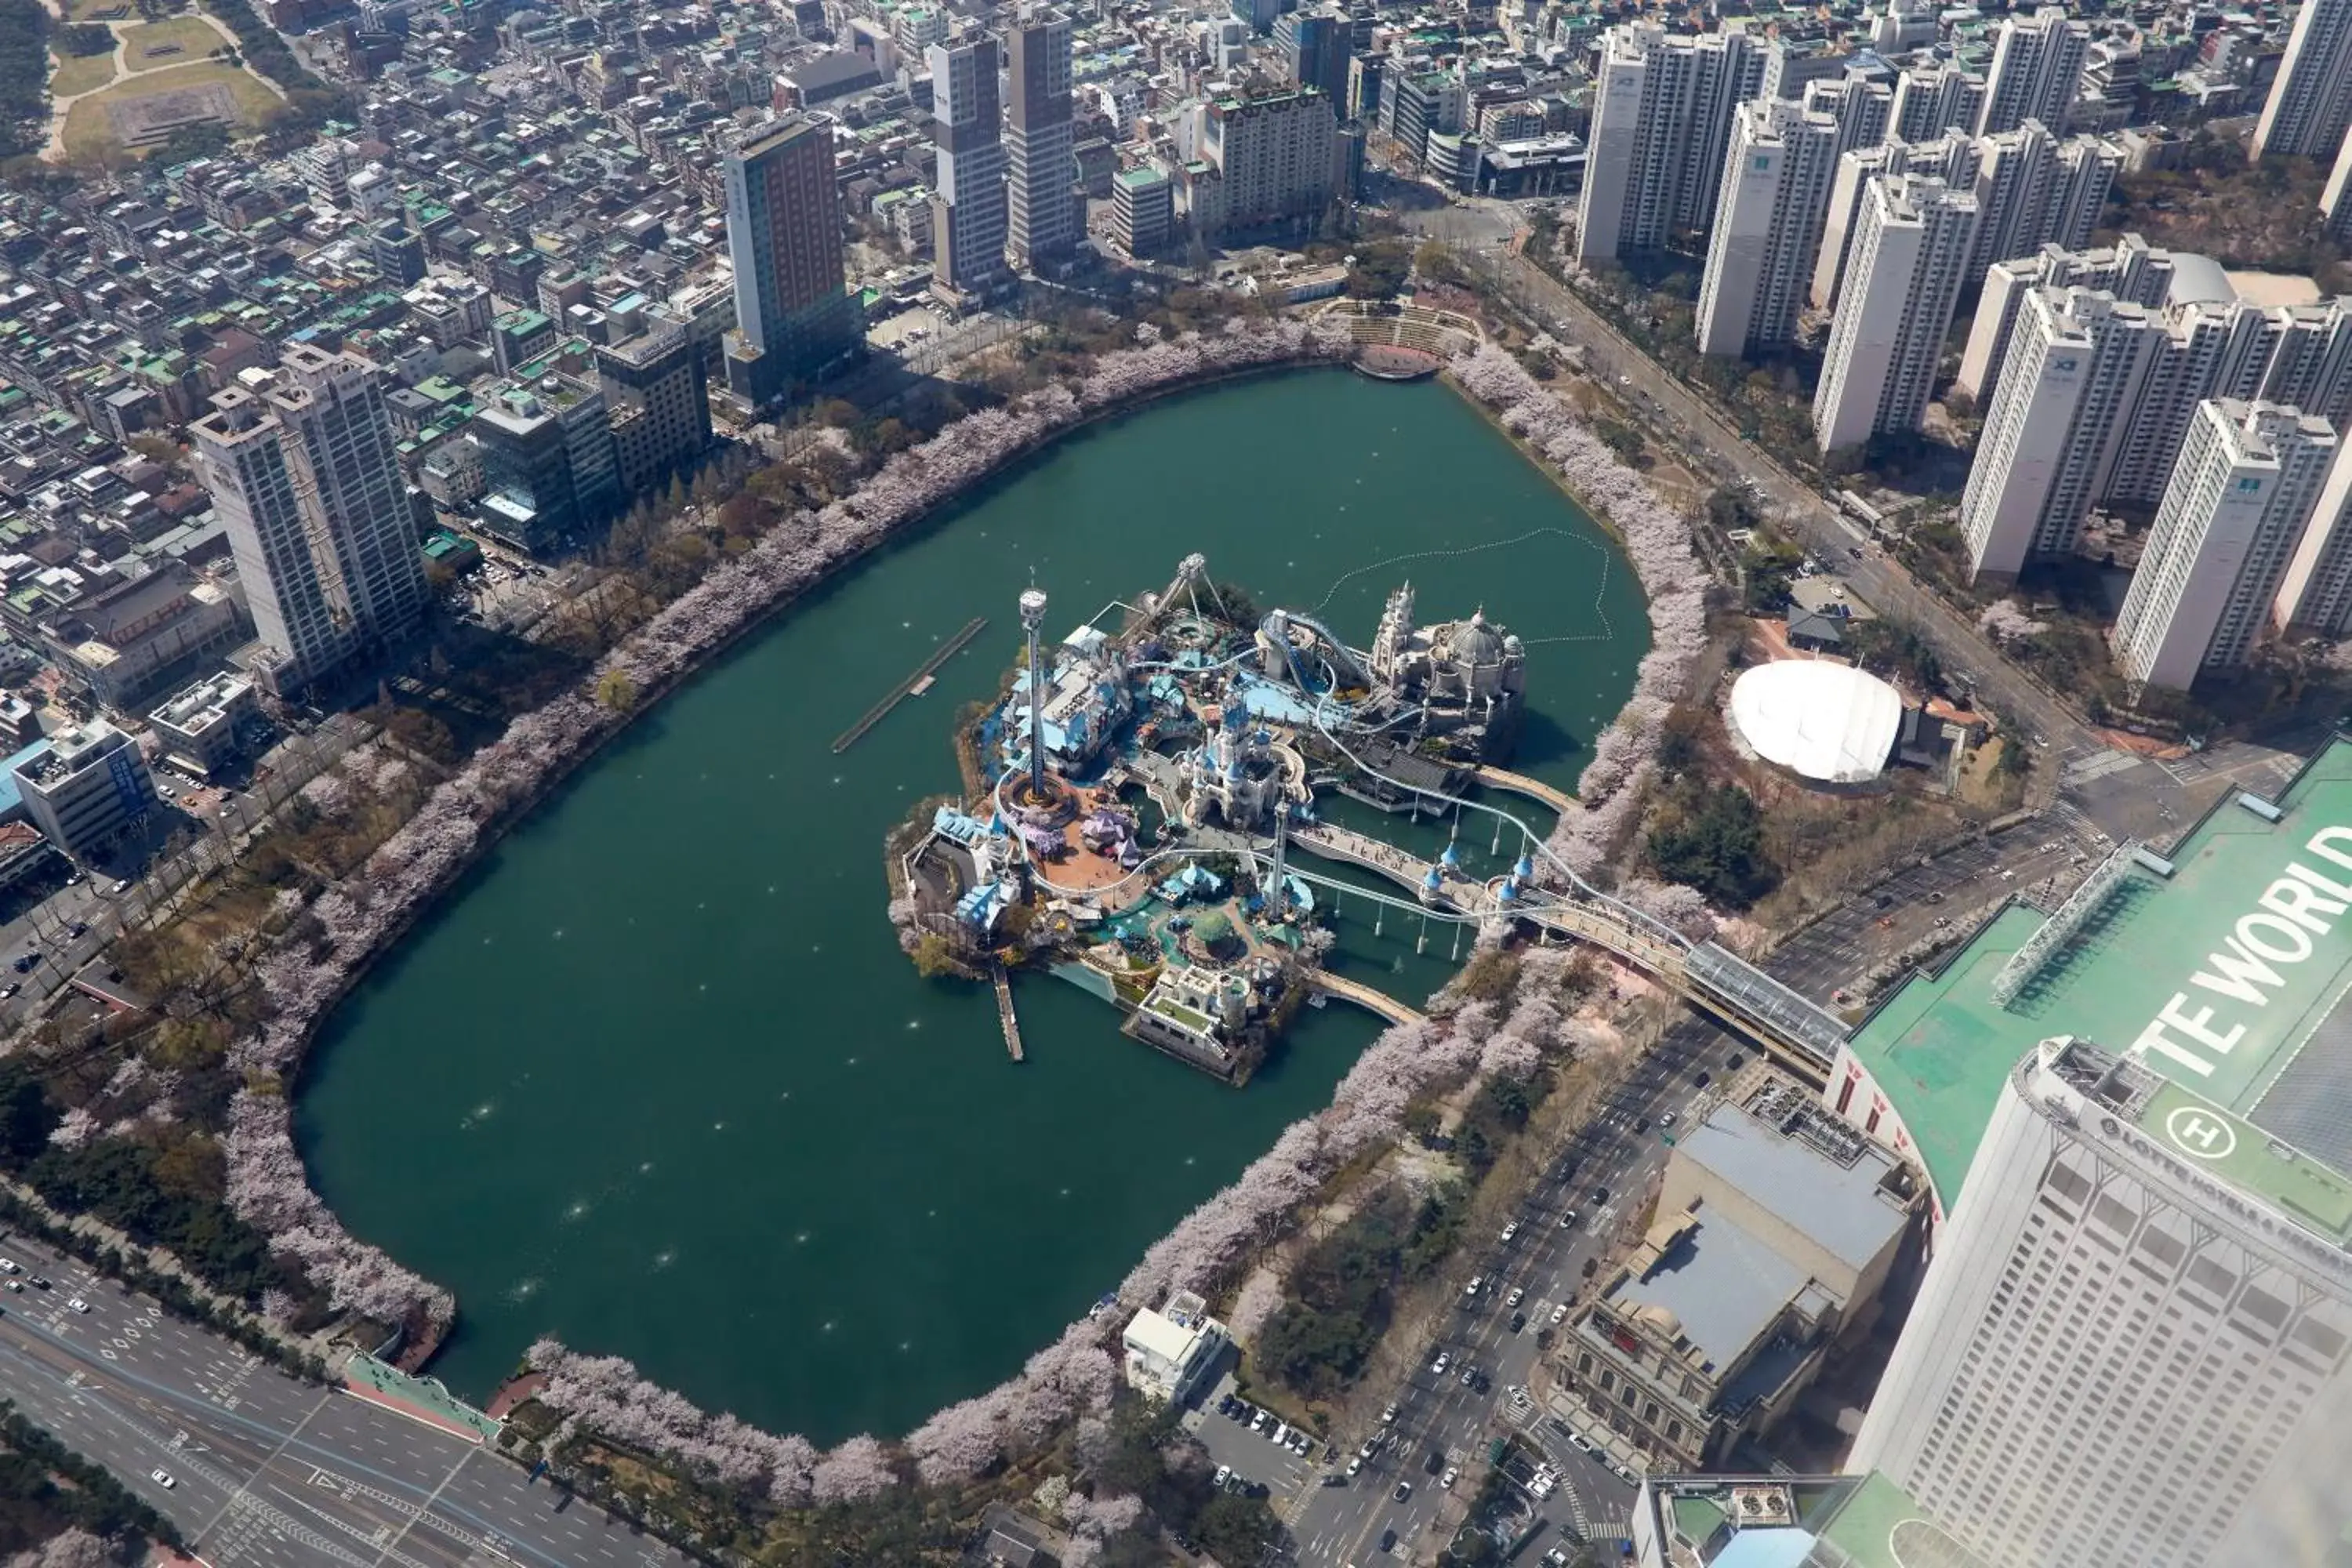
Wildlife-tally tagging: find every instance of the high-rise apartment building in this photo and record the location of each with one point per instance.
(2315, 597)
(1041, 219)
(2130, 269)
(2034, 190)
(1930, 100)
(1273, 159)
(1662, 110)
(1142, 209)
(656, 403)
(2074, 359)
(1768, 225)
(2311, 98)
(969, 207)
(1910, 257)
(1951, 158)
(2248, 478)
(2037, 69)
(303, 473)
(2335, 196)
(793, 317)
(1855, 100)
(1315, 51)
(2130, 1349)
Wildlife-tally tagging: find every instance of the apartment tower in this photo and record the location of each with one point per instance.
(303, 473)
(1041, 219)
(1768, 225)
(1910, 257)
(2247, 480)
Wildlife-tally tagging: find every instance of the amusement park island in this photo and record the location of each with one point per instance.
(1134, 797)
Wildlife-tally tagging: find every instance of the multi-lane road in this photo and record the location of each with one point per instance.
(1605, 1175)
(267, 1470)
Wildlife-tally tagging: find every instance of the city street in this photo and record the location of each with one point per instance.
(265, 1470)
(1605, 1174)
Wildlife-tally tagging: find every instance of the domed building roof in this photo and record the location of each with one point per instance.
(1473, 642)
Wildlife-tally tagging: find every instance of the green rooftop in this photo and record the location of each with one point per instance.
(1880, 1527)
(2217, 976)
(2246, 1157)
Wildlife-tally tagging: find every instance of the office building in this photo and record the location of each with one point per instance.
(1142, 210)
(656, 406)
(2074, 360)
(2130, 1349)
(968, 208)
(1661, 111)
(2130, 269)
(1272, 158)
(1951, 158)
(1774, 1230)
(2037, 67)
(85, 788)
(1315, 46)
(397, 251)
(303, 474)
(2310, 102)
(1768, 226)
(1041, 214)
(549, 471)
(1910, 257)
(1930, 100)
(204, 727)
(2247, 480)
(793, 318)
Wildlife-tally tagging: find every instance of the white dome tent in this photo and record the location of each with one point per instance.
(1829, 722)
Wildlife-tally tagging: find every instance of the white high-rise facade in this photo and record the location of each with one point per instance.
(305, 477)
(2315, 597)
(1776, 186)
(1910, 257)
(2130, 269)
(1951, 158)
(1661, 111)
(2130, 1349)
(2037, 69)
(2311, 97)
(2074, 360)
(2035, 190)
(2247, 480)
(1932, 99)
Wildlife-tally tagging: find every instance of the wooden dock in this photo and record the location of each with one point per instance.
(919, 682)
(1004, 1018)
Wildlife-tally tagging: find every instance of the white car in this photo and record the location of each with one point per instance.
(8, 1266)
(1667, 1119)
(1579, 1442)
(1437, 1367)
(1515, 1297)
(1388, 1415)
(162, 1478)
(1510, 1230)
(1366, 1451)
(79, 1305)
(1568, 1220)
(1355, 1464)
(1447, 1479)
(1559, 1314)
(1225, 1474)
(1477, 1283)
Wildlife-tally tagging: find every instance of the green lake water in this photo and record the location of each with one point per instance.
(656, 1078)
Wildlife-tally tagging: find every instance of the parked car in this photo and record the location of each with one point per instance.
(1559, 1314)
(1389, 1416)
(1403, 1490)
(1517, 1296)
(1446, 1480)
(1568, 1220)
(1437, 1368)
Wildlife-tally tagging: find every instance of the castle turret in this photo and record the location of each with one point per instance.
(1395, 636)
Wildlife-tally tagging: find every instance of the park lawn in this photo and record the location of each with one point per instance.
(194, 36)
(79, 73)
(87, 129)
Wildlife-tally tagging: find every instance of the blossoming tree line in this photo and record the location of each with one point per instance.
(355, 918)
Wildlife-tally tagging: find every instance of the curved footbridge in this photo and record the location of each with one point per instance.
(1364, 996)
(1560, 800)
(1799, 1035)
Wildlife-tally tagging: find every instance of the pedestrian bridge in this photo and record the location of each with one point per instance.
(1799, 1035)
(1363, 996)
